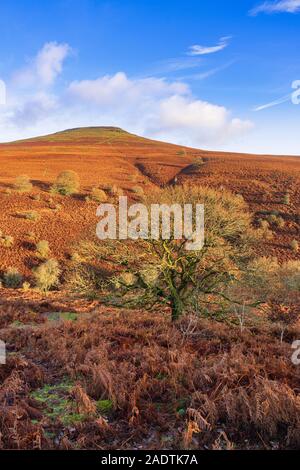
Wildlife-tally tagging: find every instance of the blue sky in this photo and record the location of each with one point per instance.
(192, 72)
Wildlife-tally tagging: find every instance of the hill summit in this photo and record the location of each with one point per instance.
(81, 133)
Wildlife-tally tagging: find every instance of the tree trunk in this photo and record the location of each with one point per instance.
(177, 308)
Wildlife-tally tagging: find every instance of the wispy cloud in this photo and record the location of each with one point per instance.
(174, 65)
(279, 6)
(204, 50)
(284, 99)
(208, 73)
(45, 67)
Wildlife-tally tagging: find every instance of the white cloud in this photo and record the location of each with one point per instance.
(279, 6)
(45, 67)
(204, 50)
(119, 90)
(34, 109)
(198, 121)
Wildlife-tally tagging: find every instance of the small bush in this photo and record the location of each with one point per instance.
(47, 275)
(113, 190)
(98, 195)
(26, 286)
(294, 245)
(264, 224)
(7, 241)
(264, 229)
(43, 249)
(12, 278)
(279, 222)
(22, 184)
(198, 162)
(126, 279)
(66, 183)
(30, 236)
(276, 220)
(286, 199)
(29, 215)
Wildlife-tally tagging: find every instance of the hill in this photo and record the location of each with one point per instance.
(111, 156)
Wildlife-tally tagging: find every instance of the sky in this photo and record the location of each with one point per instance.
(211, 74)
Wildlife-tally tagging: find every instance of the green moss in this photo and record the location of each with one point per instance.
(69, 316)
(104, 406)
(182, 405)
(57, 402)
(64, 316)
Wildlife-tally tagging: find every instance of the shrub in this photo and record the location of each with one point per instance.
(43, 249)
(264, 228)
(127, 279)
(276, 220)
(23, 184)
(12, 278)
(83, 278)
(294, 245)
(26, 286)
(47, 275)
(7, 241)
(98, 195)
(114, 190)
(286, 198)
(29, 215)
(279, 222)
(30, 236)
(198, 162)
(264, 224)
(66, 183)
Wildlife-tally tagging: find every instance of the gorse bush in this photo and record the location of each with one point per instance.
(286, 198)
(47, 275)
(26, 286)
(98, 195)
(29, 215)
(12, 278)
(279, 222)
(66, 183)
(113, 190)
(7, 241)
(198, 162)
(294, 245)
(43, 249)
(23, 184)
(264, 229)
